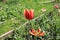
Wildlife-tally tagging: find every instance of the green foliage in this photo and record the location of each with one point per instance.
(47, 23)
(12, 17)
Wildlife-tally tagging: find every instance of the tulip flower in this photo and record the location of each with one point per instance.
(59, 10)
(41, 34)
(37, 32)
(29, 14)
(43, 9)
(32, 32)
(56, 6)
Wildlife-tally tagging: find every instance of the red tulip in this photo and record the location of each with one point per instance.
(56, 6)
(32, 32)
(39, 30)
(41, 34)
(29, 14)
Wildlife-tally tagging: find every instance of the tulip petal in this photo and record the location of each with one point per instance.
(28, 14)
(59, 10)
(39, 30)
(43, 9)
(41, 34)
(31, 11)
(56, 6)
